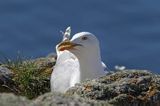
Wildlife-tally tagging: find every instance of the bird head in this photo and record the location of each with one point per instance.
(80, 44)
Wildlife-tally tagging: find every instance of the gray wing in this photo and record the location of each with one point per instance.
(63, 72)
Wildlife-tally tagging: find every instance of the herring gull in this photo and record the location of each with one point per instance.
(78, 59)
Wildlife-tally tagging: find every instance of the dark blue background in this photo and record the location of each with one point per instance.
(128, 30)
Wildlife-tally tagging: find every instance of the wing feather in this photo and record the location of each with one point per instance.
(65, 71)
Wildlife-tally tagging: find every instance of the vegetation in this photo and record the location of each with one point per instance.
(28, 78)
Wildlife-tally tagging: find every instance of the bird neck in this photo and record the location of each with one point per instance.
(90, 65)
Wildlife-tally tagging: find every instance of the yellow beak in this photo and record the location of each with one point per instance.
(67, 45)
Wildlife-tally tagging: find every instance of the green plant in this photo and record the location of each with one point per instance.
(30, 81)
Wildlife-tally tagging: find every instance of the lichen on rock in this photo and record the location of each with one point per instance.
(13, 100)
(57, 99)
(125, 87)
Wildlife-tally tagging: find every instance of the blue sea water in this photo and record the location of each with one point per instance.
(128, 30)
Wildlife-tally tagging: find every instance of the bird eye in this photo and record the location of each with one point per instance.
(84, 38)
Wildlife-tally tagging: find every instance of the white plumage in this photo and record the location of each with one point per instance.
(78, 63)
(65, 73)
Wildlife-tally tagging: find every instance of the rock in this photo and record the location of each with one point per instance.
(56, 99)
(45, 64)
(6, 82)
(12, 100)
(126, 87)
(5, 71)
(122, 88)
(5, 75)
(48, 99)
(52, 55)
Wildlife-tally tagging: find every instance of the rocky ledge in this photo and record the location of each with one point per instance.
(125, 88)
(26, 83)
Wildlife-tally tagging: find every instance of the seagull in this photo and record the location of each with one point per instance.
(78, 59)
(66, 70)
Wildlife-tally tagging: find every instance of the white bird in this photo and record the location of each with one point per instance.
(78, 59)
(66, 71)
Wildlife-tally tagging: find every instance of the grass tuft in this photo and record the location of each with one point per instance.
(30, 81)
